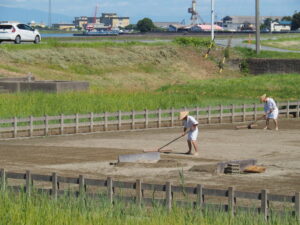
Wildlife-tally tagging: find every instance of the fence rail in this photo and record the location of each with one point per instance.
(97, 122)
(199, 192)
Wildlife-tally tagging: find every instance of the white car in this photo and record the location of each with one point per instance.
(18, 33)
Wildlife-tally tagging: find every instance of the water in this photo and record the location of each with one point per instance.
(57, 35)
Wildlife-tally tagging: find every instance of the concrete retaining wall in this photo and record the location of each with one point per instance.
(261, 66)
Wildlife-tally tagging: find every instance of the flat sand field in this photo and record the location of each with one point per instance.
(94, 155)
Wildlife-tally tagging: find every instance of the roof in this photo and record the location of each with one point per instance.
(166, 24)
(208, 27)
(250, 19)
(284, 22)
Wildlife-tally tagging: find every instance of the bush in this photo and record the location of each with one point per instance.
(192, 41)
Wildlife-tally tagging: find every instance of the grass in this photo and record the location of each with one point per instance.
(289, 43)
(250, 53)
(41, 209)
(224, 91)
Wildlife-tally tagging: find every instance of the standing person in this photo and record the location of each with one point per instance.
(271, 110)
(190, 128)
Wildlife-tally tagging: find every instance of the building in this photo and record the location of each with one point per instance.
(238, 23)
(166, 25)
(82, 21)
(64, 26)
(280, 26)
(34, 24)
(113, 20)
(205, 27)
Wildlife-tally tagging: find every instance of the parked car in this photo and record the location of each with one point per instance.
(18, 33)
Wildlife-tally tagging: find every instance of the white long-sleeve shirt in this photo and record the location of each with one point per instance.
(270, 106)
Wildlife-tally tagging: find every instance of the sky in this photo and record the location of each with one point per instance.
(158, 10)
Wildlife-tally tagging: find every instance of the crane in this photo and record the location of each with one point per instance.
(195, 17)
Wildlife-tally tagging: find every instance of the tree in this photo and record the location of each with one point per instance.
(131, 27)
(145, 25)
(287, 18)
(266, 24)
(296, 21)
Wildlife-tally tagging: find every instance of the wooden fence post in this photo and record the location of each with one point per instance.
(54, 186)
(91, 122)
(169, 196)
(81, 185)
(46, 125)
(146, 118)
(288, 109)
(200, 196)
(297, 205)
(159, 117)
(231, 201)
(298, 109)
(139, 193)
(3, 179)
(221, 113)
(15, 127)
(31, 126)
(120, 120)
(105, 121)
(197, 113)
(255, 111)
(244, 112)
(132, 119)
(28, 182)
(172, 117)
(209, 114)
(110, 191)
(232, 113)
(264, 204)
(62, 124)
(76, 123)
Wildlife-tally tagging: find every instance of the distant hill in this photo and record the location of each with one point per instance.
(28, 15)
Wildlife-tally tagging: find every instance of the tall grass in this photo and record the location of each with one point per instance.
(250, 53)
(40, 209)
(195, 93)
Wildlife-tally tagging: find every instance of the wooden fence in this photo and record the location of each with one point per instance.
(198, 200)
(99, 122)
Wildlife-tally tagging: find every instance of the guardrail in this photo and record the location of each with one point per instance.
(198, 194)
(146, 119)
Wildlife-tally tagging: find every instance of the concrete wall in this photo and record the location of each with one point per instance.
(261, 66)
(46, 86)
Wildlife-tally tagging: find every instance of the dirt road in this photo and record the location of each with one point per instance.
(92, 154)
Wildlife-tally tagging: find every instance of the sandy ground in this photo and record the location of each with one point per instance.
(92, 155)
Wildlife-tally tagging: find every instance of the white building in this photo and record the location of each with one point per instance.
(281, 26)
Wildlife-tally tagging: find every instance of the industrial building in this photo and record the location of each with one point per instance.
(106, 20)
(64, 26)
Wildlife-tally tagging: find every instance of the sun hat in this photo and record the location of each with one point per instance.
(263, 97)
(183, 115)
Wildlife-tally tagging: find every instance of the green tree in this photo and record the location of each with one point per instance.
(145, 25)
(131, 27)
(287, 18)
(296, 21)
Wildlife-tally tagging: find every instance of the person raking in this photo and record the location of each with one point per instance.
(271, 111)
(191, 129)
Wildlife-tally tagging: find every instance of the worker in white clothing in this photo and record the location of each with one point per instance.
(190, 128)
(271, 110)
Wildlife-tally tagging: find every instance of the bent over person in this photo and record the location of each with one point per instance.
(271, 110)
(190, 128)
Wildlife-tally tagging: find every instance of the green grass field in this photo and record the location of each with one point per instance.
(224, 91)
(40, 209)
(250, 53)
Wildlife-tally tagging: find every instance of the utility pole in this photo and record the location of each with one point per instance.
(49, 16)
(212, 20)
(257, 24)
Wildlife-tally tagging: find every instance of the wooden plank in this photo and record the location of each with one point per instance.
(28, 182)
(76, 123)
(151, 201)
(62, 124)
(139, 192)
(133, 120)
(46, 125)
(15, 123)
(119, 120)
(221, 113)
(187, 190)
(69, 180)
(38, 177)
(280, 198)
(110, 192)
(126, 199)
(264, 204)
(105, 122)
(200, 196)
(12, 175)
(31, 126)
(298, 109)
(122, 184)
(92, 122)
(231, 201)
(288, 109)
(82, 187)
(3, 179)
(297, 205)
(248, 195)
(172, 117)
(232, 113)
(94, 182)
(159, 118)
(215, 192)
(168, 196)
(54, 186)
(43, 191)
(209, 114)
